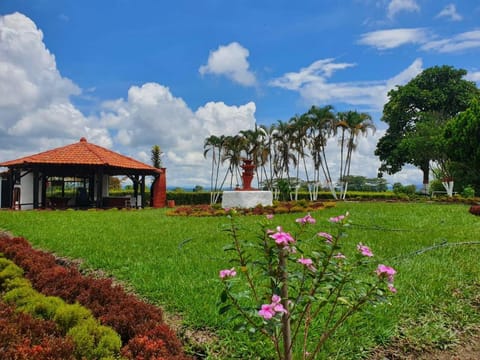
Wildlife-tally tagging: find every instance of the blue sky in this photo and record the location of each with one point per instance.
(130, 74)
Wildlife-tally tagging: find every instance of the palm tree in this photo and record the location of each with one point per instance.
(232, 153)
(215, 145)
(254, 148)
(283, 155)
(298, 141)
(351, 124)
(266, 155)
(319, 122)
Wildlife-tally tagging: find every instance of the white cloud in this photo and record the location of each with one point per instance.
(152, 115)
(450, 12)
(35, 110)
(389, 39)
(220, 119)
(313, 85)
(396, 6)
(230, 61)
(464, 41)
(473, 76)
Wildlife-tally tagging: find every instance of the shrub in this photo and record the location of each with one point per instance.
(68, 316)
(475, 210)
(157, 343)
(94, 341)
(468, 192)
(91, 339)
(24, 338)
(109, 303)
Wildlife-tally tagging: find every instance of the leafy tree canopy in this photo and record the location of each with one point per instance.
(416, 113)
(462, 139)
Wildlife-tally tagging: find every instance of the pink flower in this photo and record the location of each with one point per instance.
(282, 238)
(337, 219)
(327, 236)
(269, 216)
(307, 219)
(339, 256)
(307, 262)
(276, 299)
(227, 273)
(270, 310)
(267, 311)
(364, 250)
(391, 288)
(389, 272)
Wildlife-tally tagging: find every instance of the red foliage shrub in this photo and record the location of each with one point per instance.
(128, 316)
(23, 337)
(154, 344)
(475, 210)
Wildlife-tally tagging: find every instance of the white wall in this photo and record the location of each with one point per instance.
(26, 191)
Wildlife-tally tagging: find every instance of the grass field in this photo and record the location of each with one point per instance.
(174, 262)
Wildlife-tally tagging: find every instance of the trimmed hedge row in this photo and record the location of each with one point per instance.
(92, 340)
(140, 325)
(23, 337)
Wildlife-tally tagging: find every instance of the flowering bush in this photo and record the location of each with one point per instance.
(299, 301)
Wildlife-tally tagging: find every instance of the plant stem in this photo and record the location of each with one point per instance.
(286, 330)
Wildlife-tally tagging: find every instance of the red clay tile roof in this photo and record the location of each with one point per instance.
(81, 153)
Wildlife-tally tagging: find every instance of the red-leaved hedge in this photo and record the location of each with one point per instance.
(140, 325)
(23, 337)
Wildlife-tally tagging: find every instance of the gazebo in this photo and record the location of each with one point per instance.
(79, 173)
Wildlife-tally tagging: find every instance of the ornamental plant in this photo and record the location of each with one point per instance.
(298, 287)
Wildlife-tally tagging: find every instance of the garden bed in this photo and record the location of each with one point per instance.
(140, 326)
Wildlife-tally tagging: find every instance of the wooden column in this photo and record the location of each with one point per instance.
(142, 191)
(99, 189)
(44, 191)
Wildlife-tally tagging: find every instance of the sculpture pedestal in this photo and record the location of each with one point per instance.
(246, 199)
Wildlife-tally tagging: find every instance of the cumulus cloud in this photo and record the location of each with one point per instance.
(473, 76)
(450, 12)
(397, 6)
(389, 39)
(230, 61)
(314, 86)
(151, 115)
(35, 107)
(461, 42)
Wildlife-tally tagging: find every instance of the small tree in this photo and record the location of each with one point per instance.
(155, 157)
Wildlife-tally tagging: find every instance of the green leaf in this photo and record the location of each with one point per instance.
(223, 296)
(224, 309)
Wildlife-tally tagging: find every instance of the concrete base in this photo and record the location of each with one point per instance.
(246, 199)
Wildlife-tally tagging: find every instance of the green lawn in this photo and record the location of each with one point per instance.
(174, 262)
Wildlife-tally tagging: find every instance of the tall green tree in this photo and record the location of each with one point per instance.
(439, 91)
(462, 139)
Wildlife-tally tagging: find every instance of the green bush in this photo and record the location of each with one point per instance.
(69, 315)
(468, 192)
(41, 306)
(10, 271)
(189, 198)
(94, 341)
(17, 282)
(19, 296)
